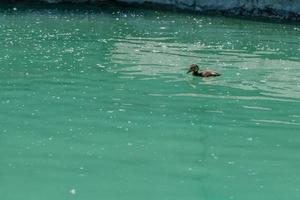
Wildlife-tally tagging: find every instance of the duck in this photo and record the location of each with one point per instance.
(203, 73)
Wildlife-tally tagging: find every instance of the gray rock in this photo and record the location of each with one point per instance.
(186, 4)
(283, 9)
(286, 9)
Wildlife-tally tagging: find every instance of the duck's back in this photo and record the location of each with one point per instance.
(208, 73)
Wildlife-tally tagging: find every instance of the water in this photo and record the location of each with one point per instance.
(96, 104)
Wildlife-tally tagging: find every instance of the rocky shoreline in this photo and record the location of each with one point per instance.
(277, 9)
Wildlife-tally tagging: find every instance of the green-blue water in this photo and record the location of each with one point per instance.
(96, 104)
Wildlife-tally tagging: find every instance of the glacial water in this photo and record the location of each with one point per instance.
(96, 104)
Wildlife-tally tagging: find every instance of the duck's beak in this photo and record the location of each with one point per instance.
(189, 71)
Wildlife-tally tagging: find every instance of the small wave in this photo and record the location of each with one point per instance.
(227, 97)
(275, 122)
(256, 108)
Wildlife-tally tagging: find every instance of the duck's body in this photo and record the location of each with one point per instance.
(203, 73)
(206, 73)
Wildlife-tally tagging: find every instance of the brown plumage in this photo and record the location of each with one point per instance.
(203, 73)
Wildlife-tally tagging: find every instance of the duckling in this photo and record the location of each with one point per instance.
(203, 73)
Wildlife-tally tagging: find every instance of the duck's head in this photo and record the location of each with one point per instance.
(193, 68)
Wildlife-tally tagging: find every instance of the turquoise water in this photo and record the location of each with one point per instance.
(96, 104)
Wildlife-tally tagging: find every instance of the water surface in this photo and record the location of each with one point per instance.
(96, 104)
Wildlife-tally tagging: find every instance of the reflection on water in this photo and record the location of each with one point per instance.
(96, 103)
